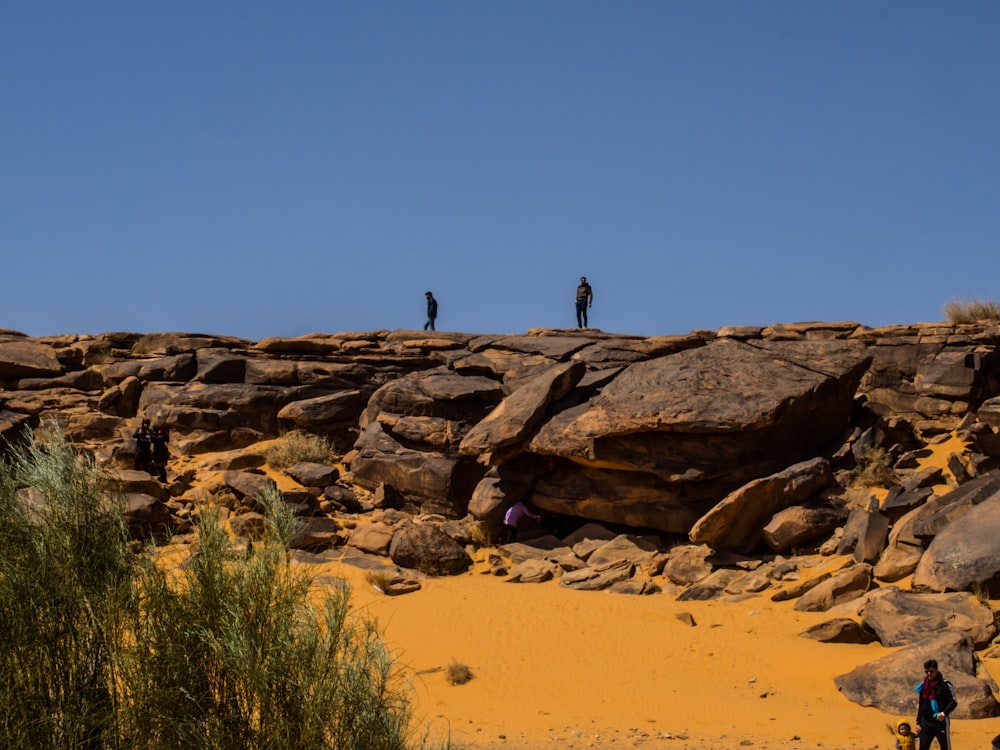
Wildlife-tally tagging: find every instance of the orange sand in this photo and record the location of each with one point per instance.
(569, 669)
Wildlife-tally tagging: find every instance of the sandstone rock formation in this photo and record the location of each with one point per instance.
(720, 464)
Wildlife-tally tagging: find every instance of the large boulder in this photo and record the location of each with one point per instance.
(726, 411)
(965, 555)
(888, 683)
(28, 359)
(900, 618)
(431, 480)
(802, 525)
(515, 418)
(325, 411)
(845, 586)
(735, 524)
(428, 549)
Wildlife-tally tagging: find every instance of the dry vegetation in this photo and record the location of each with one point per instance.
(296, 446)
(972, 311)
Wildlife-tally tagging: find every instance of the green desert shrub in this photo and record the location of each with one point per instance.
(67, 599)
(297, 446)
(972, 311)
(232, 649)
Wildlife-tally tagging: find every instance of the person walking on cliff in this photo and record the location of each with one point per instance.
(161, 453)
(432, 311)
(143, 448)
(936, 702)
(584, 299)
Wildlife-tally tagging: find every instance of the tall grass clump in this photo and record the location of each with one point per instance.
(297, 446)
(231, 652)
(67, 599)
(232, 649)
(972, 311)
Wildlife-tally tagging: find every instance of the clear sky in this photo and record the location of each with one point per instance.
(277, 168)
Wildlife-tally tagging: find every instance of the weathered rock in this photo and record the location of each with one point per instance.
(310, 474)
(325, 411)
(516, 417)
(372, 537)
(965, 555)
(887, 683)
(943, 511)
(900, 618)
(248, 485)
(711, 586)
(236, 460)
(843, 587)
(628, 498)
(735, 523)
(899, 502)
(839, 630)
(313, 533)
(708, 413)
(434, 431)
(425, 547)
(28, 359)
(145, 516)
(589, 579)
(902, 551)
(801, 525)
(220, 366)
(688, 564)
(178, 368)
(532, 571)
(433, 481)
(872, 530)
(12, 425)
(635, 587)
(251, 525)
(624, 548)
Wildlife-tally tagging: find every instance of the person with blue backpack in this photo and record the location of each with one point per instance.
(935, 703)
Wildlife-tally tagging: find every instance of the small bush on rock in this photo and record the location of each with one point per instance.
(297, 446)
(972, 311)
(873, 470)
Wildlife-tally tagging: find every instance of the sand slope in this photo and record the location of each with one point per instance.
(560, 668)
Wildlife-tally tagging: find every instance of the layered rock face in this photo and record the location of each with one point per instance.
(718, 464)
(643, 432)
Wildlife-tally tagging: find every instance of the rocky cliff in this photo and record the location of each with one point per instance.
(696, 461)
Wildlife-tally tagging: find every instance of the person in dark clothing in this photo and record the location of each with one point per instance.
(161, 454)
(936, 702)
(143, 448)
(584, 299)
(432, 311)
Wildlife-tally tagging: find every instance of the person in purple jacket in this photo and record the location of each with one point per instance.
(513, 517)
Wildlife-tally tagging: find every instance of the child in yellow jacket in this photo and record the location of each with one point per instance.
(905, 739)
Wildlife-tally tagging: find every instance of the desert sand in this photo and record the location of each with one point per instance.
(555, 668)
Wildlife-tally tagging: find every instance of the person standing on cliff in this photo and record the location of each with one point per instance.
(936, 702)
(584, 299)
(432, 311)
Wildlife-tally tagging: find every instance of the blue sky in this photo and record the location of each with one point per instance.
(276, 168)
